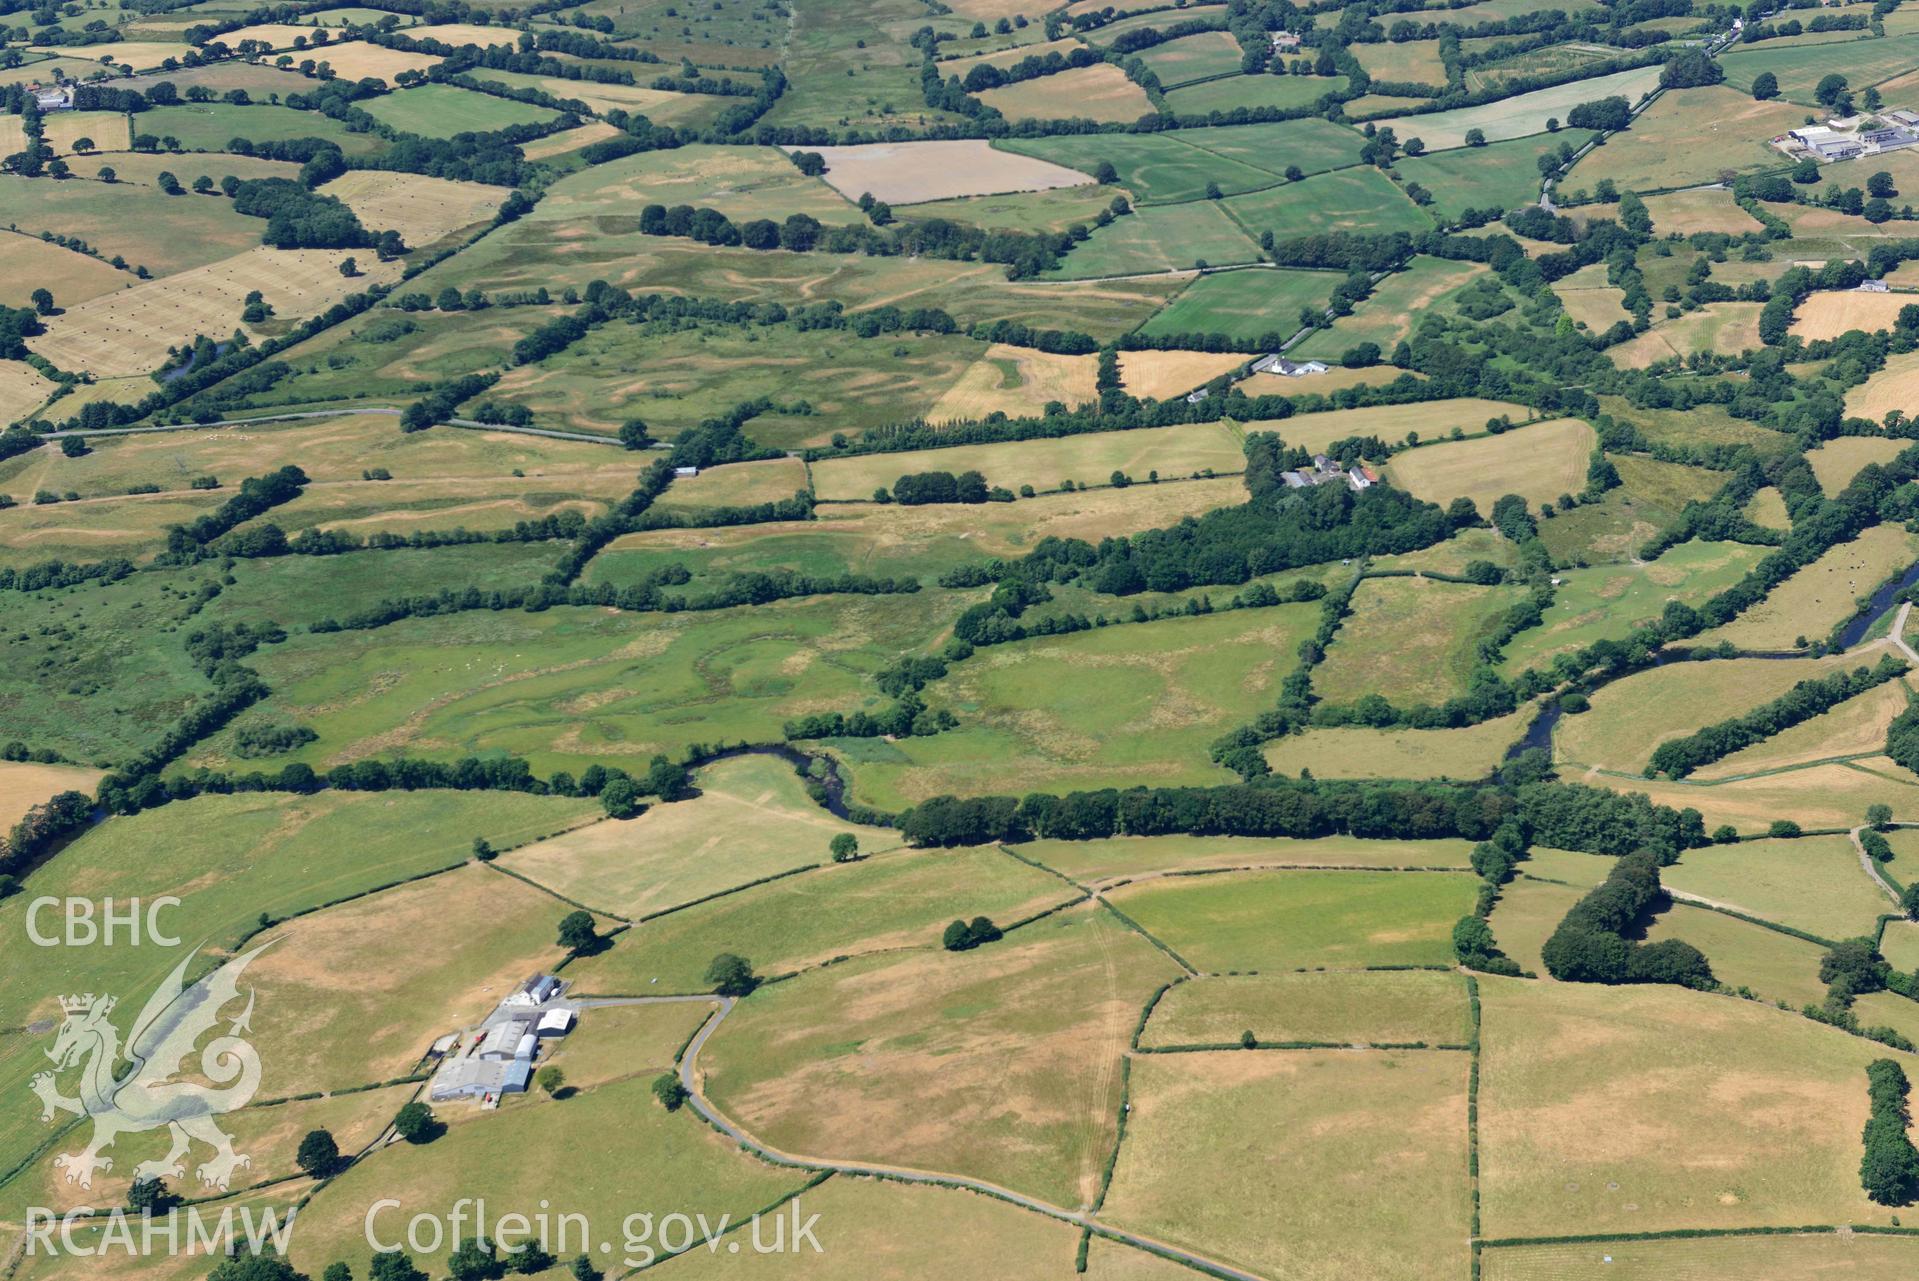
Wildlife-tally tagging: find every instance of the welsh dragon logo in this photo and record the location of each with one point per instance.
(144, 1095)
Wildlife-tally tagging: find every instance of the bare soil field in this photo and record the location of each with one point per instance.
(905, 173)
(141, 55)
(128, 332)
(275, 35)
(1019, 382)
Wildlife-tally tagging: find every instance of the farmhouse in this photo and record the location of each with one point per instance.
(1288, 368)
(536, 990)
(1330, 471)
(1285, 42)
(52, 97)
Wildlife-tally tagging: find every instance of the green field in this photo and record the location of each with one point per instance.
(1294, 919)
(1106, 708)
(1385, 1007)
(1502, 175)
(1414, 640)
(1359, 200)
(895, 900)
(1232, 93)
(1606, 602)
(1190, 58)
(1523, 114)
(440, 111)
(703, 677)
(1161, 238)
(211, 126)
(162, 233)
(1154, 167)
(1799, 67)
(1813, 884)
(1125, 856)
(1245, 305)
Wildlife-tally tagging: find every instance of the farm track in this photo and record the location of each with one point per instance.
(387, 410)
(689, 1078)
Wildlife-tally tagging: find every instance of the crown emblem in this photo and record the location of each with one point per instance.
(72, 1005)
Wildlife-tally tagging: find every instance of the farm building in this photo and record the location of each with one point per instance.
(52, 97)
(505, 1040)
(555, 1023)
(537, 990)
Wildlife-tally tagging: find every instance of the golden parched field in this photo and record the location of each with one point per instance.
(129, 332)
(1894, 387)
(1161, 375)
(1015, 381)
(1810, 602)
(358, 60)
(1644, 1109)
(1099, 92)
(1701, 209)
(1831, 312)
(1085, 459)
(466, 33)
(1835, 462)
(25, 784)
(1539, 463)
(28, 263)
(1724, 328)
(420, 208)
(1811, 1257)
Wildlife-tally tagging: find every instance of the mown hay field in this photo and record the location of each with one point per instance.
(752, 819)
(1896, 386)
(129, 332)
(766, 480)
(1829, 313)
(359, 60)
(23, 389)
(25, 784)
(1835, 462)
(1161, 375)
(420, 208)
(1084, 459)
